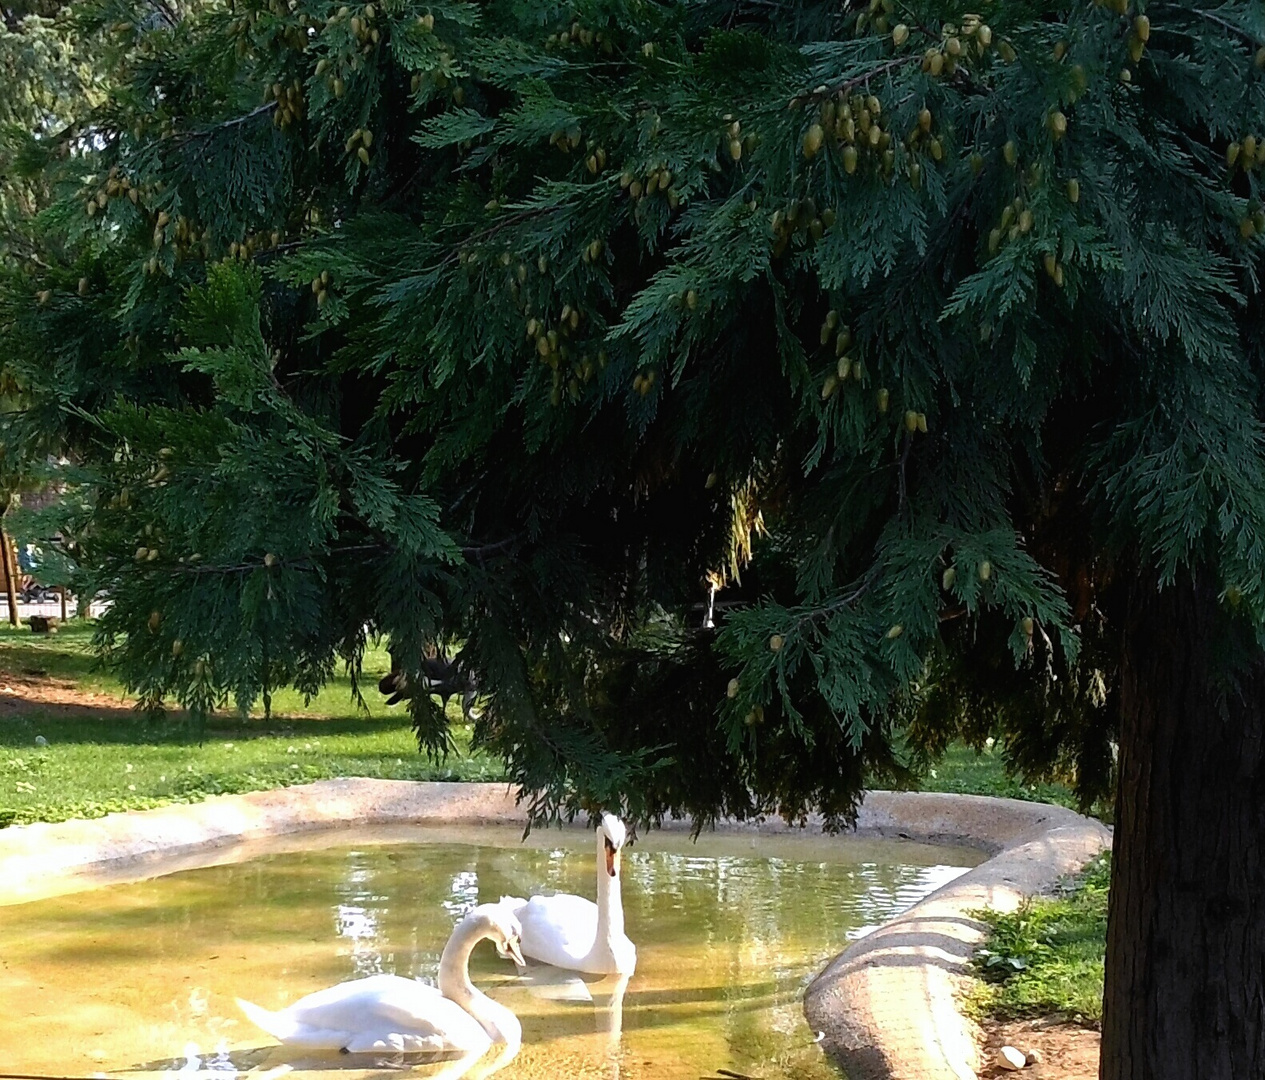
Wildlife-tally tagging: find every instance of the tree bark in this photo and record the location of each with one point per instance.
(1185, 977)
(10, 575)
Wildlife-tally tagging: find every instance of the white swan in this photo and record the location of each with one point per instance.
(390, 1013)
(576, 934)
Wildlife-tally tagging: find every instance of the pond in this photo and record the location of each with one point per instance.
(139, 979)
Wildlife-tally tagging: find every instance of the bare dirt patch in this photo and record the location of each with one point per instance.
(25, 688)
(1067, 1051)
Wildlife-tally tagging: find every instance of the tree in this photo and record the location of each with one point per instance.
(932, 337)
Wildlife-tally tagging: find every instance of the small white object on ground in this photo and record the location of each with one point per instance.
(1010, 1058)
(40, 740)
(1034, 1057)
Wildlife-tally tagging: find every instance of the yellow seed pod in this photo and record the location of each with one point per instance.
(812, 140)
(776, 642)
(177, 647)
(984, 35)
(1028, 625)
(911, 421)
(883, 399)
(1010, 152)
(924, 121)
(731, 691)
(710, 482)
(829, 386)
(1073, 190)
(844, 367)
(155, 620)
(363, 154)
(953, 47)
(849, 159)
(947, 579)
(1142, 28)
(985, 570)
(936, 64)
(691, 299)
(994, 241)
(1058, 124)
(142, 553)
(922, 423)
(1051, 263)
(842, 340)
(900, 34)
(895, 632)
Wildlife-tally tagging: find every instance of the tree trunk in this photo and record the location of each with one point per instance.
(10, 575)
(1185, 979)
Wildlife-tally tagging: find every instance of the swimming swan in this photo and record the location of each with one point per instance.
(390, 1013)
(576, 934)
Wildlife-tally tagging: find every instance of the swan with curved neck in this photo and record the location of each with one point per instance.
(394, 1014)
(574, 933)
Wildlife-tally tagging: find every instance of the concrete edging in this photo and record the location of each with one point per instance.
(886, 1006)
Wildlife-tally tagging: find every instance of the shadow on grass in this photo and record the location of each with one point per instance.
(23, 717)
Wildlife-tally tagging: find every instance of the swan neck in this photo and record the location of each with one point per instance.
(454, 983)
(610, 904)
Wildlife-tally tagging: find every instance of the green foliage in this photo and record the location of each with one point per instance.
(519, 328)
(1047, 957)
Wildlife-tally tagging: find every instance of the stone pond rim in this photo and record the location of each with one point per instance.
(886, 1007)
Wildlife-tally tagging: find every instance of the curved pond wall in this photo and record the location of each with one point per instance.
(885, 1007)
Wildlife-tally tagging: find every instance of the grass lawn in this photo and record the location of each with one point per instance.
(102, 756)
(1046, 959)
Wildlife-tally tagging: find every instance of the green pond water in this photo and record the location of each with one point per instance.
(138, 978)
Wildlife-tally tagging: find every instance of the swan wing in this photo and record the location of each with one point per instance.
(558, 930)
(382, 1012)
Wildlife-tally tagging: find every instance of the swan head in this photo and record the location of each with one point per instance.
(502, 927)
(614, 836)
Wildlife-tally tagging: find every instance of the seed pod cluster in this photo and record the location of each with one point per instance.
(579, 36)
(800, 217)
(1016, 220)
(289, 99)
(850, 124)
(113, 186)
(1247, 154)
(956, 44)
(657, 180)
(1253, 223)
(915, 422)
(642, 383)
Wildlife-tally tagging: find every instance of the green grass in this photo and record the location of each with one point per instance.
(1046, 959)
(108, 757)
(103, 759)
(964, 772)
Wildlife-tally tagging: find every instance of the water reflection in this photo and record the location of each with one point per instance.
(727, 939)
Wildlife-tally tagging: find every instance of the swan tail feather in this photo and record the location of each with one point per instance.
(278, 1025)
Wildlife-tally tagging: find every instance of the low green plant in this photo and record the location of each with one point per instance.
(1046, 958)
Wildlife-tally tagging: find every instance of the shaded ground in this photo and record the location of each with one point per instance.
(1067, 1051)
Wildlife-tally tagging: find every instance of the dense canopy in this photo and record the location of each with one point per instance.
(755, 395)
(523, 327)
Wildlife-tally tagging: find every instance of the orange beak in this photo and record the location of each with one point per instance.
(612, 858)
